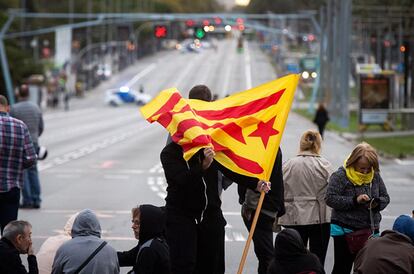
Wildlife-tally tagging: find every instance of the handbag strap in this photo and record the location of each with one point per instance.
(90, 257)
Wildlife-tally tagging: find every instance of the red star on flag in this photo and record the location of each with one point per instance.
(264, 131)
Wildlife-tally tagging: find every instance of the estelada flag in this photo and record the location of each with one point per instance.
(244, 129)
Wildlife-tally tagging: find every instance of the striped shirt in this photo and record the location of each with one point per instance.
(16, 152)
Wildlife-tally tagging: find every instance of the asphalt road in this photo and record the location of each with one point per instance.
(107, 158)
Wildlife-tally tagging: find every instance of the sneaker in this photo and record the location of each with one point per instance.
(36, 206)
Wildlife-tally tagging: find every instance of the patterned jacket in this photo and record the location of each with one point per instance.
(16, 152)
(341, 196)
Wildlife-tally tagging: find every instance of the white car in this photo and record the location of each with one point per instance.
(124, 95)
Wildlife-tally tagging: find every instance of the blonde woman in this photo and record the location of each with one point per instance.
(306, 180)
(357, 194)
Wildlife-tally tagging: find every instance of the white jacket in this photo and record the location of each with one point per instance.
(306, 180)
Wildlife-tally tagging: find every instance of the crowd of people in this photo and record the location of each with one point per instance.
(304, 195)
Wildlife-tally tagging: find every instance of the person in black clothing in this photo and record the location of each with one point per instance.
(16, 240)
(151, 255)
(272, 208)
(292, 257)
(195, 222)
(321, 118)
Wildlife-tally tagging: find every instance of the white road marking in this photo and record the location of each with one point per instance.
(88, 149)
(116, 177)
(187, 70)
(141, 74)
(248, 68)
(227, 72)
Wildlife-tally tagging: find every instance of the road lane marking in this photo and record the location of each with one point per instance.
(116, 177)
(141, 74)
(248, 68)
(188, 68)
(88, 149)
(229, 65)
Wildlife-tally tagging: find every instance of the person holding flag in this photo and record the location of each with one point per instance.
(241, 132)
(273, 208)
(195, 223)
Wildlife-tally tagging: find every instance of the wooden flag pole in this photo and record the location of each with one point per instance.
(252, 228)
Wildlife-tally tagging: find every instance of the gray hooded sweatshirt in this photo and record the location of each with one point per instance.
(86, 237)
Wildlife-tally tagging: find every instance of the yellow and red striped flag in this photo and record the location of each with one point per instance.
(244, 129)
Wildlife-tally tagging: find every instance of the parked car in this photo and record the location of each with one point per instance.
(125, 95)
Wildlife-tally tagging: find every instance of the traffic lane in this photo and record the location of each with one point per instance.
(91, 183)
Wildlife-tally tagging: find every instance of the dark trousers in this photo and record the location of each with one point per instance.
(181, 235)
(262, 240)
(321, 129)
(210, 248)
(318, 237)
(343, 259)
(9, 206)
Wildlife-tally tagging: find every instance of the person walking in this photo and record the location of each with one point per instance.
(357, 194)
(306, 180)
(273, 207)
(86, 252)
(17, 152)
(321, 118)
(393, 252)
(31, 115)
(195, 222)
(151, 254)
(16, 240)
(292, 257)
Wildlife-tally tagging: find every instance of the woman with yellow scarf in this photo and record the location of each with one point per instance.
(357, 194)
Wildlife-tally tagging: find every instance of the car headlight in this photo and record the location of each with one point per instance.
(305, 75)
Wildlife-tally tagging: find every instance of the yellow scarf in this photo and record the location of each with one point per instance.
(358, 178)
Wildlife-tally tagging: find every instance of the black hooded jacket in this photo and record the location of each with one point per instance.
(274, 200)
(191, 191)
(291, 256)
(151, 255)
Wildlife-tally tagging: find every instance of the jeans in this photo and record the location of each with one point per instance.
(9, 206)
(31, 186)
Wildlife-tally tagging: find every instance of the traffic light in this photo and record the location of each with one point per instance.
(199, 33)
(160, 31)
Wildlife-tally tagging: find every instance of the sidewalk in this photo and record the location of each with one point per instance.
(335, 147)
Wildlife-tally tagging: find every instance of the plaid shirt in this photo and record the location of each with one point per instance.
(16, 152)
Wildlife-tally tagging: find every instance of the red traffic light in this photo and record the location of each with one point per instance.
(189, 23)
(160, 31)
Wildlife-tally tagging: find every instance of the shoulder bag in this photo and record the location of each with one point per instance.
(357, 239)
(90, 258)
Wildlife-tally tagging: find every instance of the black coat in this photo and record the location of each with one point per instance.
(321, 117)
(151, 255)
(10, 261)
(274, 200)
(192, 191)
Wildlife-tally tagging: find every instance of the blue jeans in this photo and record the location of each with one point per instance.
(31, 186)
